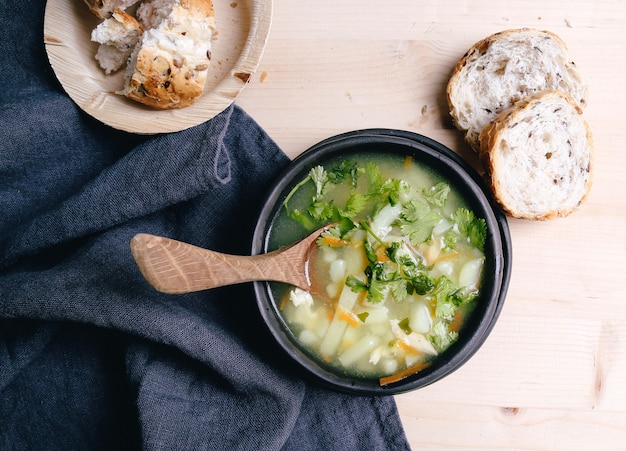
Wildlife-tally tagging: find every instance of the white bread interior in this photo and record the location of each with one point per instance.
(118, 36)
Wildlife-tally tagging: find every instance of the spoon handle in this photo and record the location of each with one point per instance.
(175, 267)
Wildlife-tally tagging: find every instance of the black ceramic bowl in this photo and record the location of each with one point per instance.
(459, 174)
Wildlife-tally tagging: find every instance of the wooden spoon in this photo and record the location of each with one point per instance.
(175, 267)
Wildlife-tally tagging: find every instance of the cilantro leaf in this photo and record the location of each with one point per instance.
(376, 292)
(344, 170)
(393, 189)
(321, 210)
(417, 280)
(420, 284)
(369, 253)
(437, 195)
(379, 277)
(355, 284)
(450, 239)
(470, 227)
(399, 289)
(374, 178)
(463, 296)
(445, 307)
(443, 337)
(413, 211)
(418, 221)
(354, 205)
(320, 177)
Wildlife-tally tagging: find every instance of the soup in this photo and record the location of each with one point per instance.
(395, 275)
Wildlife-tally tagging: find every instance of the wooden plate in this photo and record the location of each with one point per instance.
(242, 31)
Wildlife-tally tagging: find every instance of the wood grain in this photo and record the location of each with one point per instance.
(174, 267)
(242, 31)
(552, 375)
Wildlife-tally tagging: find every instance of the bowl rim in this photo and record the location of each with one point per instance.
(438, 155)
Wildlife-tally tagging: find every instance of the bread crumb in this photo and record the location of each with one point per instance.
(424, 110)
(568, 24)
(263, 76)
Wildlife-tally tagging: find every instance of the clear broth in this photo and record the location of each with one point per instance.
(376, 339)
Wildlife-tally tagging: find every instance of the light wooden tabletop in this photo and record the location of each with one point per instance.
(552, 374)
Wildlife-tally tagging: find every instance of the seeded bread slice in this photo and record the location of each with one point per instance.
(169, 66)
(538, 156)
(504, 68)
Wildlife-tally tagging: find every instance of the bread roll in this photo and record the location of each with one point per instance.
(118, 36)
(104, 8)
(504, 68)
(538, 156)
(169, 67)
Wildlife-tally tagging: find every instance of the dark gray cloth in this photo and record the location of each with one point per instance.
(91, 357)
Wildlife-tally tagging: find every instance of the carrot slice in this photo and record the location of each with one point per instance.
(387, 380)
(333, 241)
(381, 254)
(330, 314)
(407, 347)
(283, 302)
(407, 161)
(348, 317)
(457, 321)
(447, 257)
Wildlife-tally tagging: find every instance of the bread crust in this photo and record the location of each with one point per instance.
(163, 78)
(457, 88)
(105, 8)
(493, 139)
(126, 19)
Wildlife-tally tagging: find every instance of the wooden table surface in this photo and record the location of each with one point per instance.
(552, 375)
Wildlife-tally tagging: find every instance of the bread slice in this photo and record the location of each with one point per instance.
(105, 8)
(118, 36)
(538, 156)
(503, 68)
(169, 67)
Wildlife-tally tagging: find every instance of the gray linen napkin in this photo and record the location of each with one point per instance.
(91, 357)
